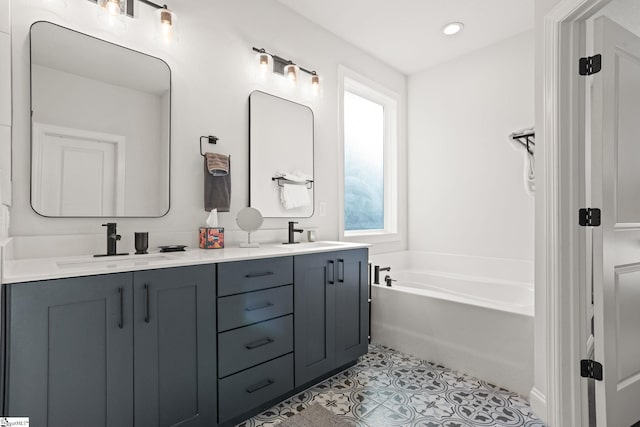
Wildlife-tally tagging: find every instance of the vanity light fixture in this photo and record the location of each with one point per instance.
(166, 21)
(452, 28)
(285, 67)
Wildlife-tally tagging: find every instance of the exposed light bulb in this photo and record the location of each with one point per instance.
(167, 21)
(264, 60)
(113, 7)
(315, 83)
(291, 72)
(110, 13)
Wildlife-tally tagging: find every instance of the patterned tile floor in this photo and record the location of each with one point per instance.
(389, 388)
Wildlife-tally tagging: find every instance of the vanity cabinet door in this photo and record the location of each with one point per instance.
(314, 305)
(70, 351)
(352, 308)
(175, 347)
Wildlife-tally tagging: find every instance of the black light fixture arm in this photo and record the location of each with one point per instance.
(153, 5)
(281, 60)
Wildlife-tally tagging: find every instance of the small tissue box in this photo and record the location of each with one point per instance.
(211, 237)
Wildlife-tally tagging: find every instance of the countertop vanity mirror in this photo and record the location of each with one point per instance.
(281, 138)
(101, 127)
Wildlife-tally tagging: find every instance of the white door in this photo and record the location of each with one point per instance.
(615, 136)
(77, 173)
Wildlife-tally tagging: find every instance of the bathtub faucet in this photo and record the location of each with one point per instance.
(376, 273)
(388, 279)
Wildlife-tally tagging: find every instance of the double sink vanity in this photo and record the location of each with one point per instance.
(199, 338)
(196, 338)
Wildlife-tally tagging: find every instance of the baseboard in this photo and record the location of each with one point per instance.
(538, 404)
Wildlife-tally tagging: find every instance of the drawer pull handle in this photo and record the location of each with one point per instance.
(332, 275)
(121, 295)
(260, 385)
(146, 304)
(340, 275)
(252, 275)
(259, 307)
(258, 343)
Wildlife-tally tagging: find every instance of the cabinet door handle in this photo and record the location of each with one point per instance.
(259, 307)
(252, 275)
(146, 303)
(121, 295)
(340, 275)
(333, 272)
(258, 343)
(260, 385)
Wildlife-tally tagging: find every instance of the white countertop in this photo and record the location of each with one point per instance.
(34, 269)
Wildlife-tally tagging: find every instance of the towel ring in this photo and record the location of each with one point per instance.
(210, 138)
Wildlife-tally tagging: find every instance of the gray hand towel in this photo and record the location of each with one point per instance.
(217, 189)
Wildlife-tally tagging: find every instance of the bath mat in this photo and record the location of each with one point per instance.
(315, 416)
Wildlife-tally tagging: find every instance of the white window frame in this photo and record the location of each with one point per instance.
(368, 89)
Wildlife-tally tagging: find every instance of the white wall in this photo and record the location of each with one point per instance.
(97, 106)
(466, 185)
(5, 116)
(214, 71)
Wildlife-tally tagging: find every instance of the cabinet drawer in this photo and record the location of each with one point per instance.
(252, 307)
(246, 276)
(249, 389)
(245, 347)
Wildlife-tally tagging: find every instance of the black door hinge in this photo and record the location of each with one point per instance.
(591, 369)
(590, 65)
(589, 217)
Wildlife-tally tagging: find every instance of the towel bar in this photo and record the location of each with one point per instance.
(526, 138)
(281, 181)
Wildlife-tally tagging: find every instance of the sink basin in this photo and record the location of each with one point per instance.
(112, 262)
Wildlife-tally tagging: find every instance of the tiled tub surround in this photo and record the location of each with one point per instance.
(471, 314)
(389, 388)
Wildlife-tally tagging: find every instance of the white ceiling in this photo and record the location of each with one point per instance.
(407, 33)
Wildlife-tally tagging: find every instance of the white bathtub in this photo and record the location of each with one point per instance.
(462, 319)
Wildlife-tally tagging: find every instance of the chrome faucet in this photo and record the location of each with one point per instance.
(376, 273)
(293, 230)
(112, 239)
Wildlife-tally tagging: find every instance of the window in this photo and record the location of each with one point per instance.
(370, 166)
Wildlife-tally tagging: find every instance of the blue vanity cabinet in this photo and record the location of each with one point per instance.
(116, 350)
(315, 319)
(175, 346)
(331, 312)
(352, 305)
(255, 336)
(69, 351)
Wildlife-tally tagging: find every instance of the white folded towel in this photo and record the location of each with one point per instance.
(295, 176)
(294, 196)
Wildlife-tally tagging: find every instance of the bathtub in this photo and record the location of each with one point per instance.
(471, 314)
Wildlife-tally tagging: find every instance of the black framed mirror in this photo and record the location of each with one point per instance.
(100, 127)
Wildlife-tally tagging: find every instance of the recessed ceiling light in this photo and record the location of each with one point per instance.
(452, 28)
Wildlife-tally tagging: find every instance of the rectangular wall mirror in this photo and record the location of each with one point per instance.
(101, 127)
(281, 183)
